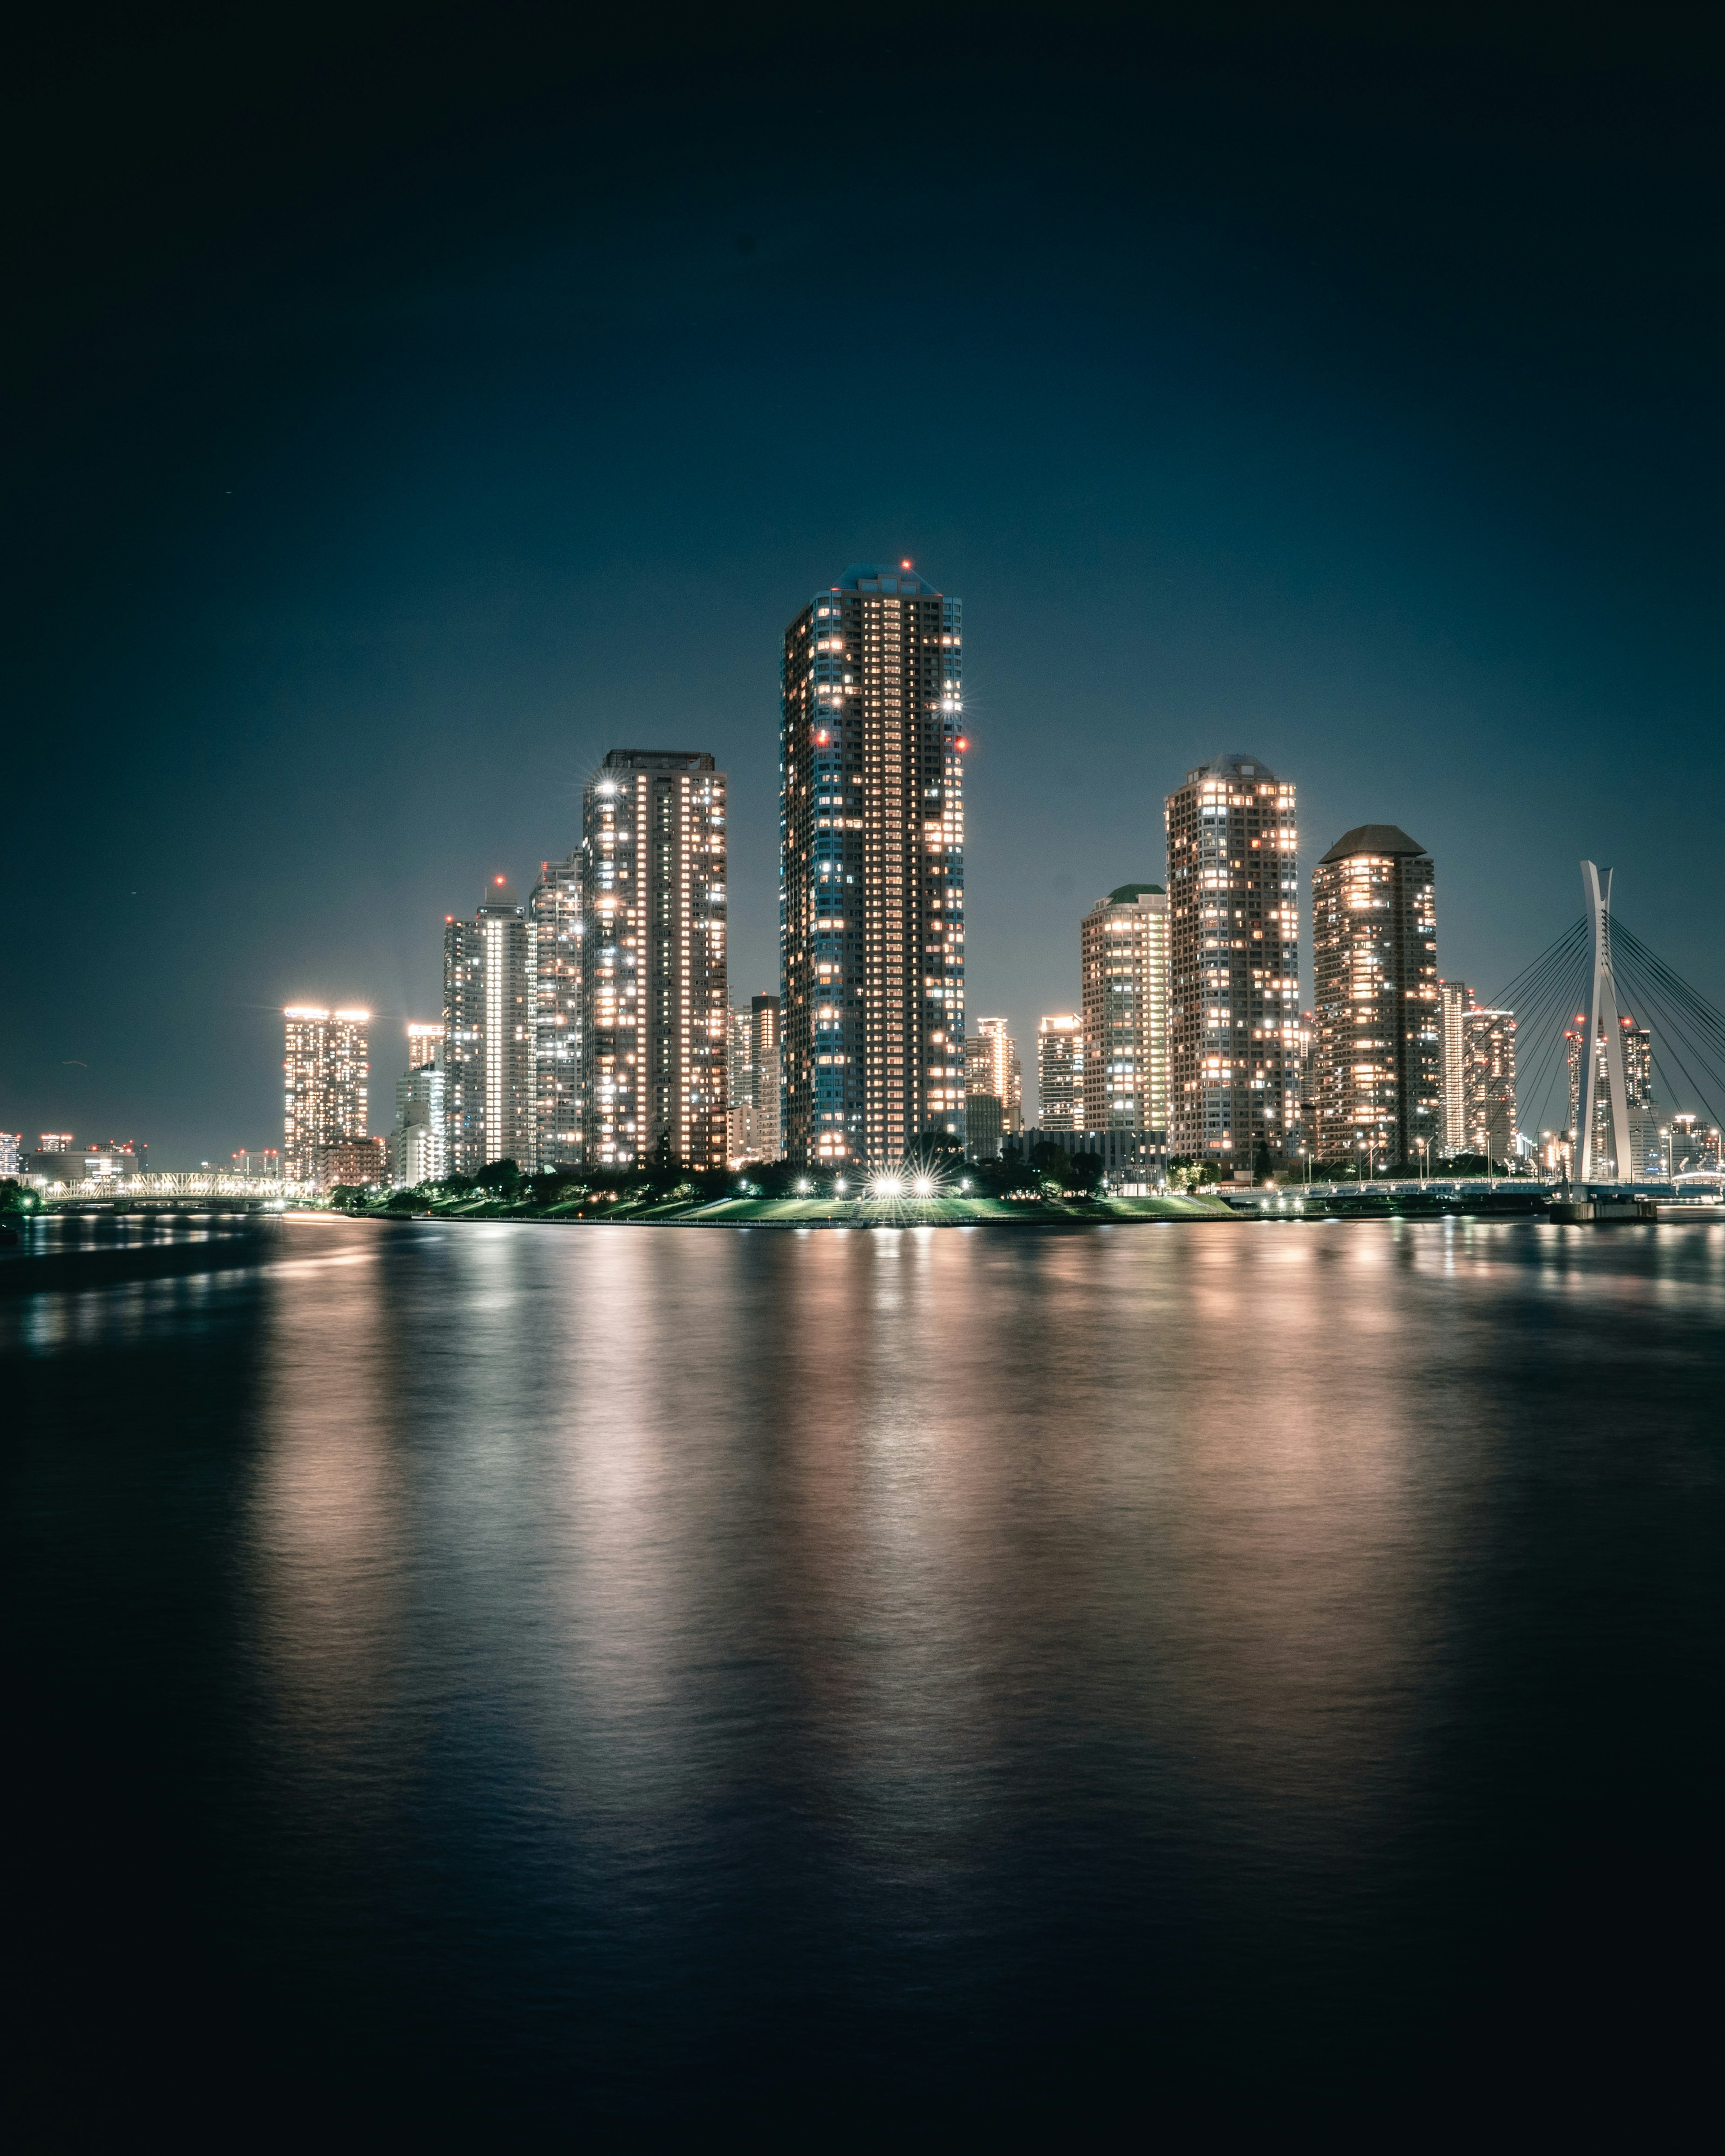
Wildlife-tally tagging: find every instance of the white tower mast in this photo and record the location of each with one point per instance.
(1604, 1017)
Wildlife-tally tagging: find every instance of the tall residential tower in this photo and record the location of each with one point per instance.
(325, 1072)
(1379, 1068)
(490, 994)
(1233, 964)
(871, 895)
(653, 960)
(1123, 967)
(555, 910)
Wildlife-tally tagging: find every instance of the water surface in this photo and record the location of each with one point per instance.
(923, 1681)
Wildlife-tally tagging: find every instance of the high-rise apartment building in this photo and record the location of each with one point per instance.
(425, 1040)
(324, 1073)
(490, 997)
(555, 910)
(1123, 972)
(418, 1144)
(1060, 1070)
(992, 1067)
(871, 896)
(754, 1115)
(1488, 1083)
(1454, 1000)
(740, 1088)
(1375, 967)
(1234, 963)
(653, 960)
(766, 1075)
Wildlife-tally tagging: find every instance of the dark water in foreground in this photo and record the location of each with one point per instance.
(609, 1679)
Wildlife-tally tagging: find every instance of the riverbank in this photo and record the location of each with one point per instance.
(740, 1212)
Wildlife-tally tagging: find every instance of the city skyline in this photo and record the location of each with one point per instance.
(1404, 485)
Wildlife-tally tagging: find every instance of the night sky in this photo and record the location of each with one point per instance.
(405, 413)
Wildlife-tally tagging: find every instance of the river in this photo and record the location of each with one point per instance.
(621, 1679)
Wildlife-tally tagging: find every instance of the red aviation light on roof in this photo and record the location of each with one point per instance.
(499, 878)
(907, 565)
(961, 743)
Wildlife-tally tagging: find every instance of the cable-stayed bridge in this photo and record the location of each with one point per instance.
(1606, 1030)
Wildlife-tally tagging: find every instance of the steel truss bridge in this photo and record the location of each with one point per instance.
(121, 1193)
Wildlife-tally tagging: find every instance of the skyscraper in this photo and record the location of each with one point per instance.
(766, 1073)
(488, 1059)
(992, 1067)
(1454, 999)
(1123, 972)
(555, 910)
(872, 899)
(653, 960)
(419, 1145)
(425, 1039)
(1059, 1072)
(324, 1073)
(740, 1088)
(1374, 966)
(1488, 1082)
(1234, 963)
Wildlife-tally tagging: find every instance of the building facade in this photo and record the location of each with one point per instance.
(1123, 962)
(871, 891)
(1454, 1000)
(1234, 963)
(419, 1145)
(1374, 968)
(766, 1075)
(555, 910)
(992, 1067)
(488, 1059)
(325, 1072)
(425, 1040)
(1060, 1070)
(1488, 1083)
(652, 986)
(363, 1163)
(740, 1088)
(753, 1117)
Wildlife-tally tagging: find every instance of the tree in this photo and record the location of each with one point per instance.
(1085, 1170)
(1262, 1165)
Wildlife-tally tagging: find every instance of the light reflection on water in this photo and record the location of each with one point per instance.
(662, 1651)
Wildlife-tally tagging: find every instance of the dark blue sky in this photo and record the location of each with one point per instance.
(408, 414)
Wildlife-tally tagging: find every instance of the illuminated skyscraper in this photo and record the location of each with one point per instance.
(1059, 1072)
(767, 1075)
(324, 1073)
(555, 910)
(740, 1088)
(992, 1067)
(425, 1038)
(1374, 966)
(1454, 999)
(418, 1146)
(871, 900)
(653, 960)
(1123, 962)
(1488, 1083)
(1234, 963)
(488, 1059)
